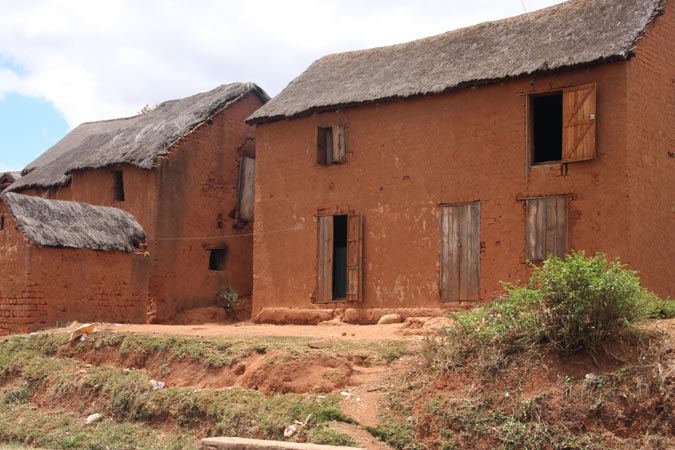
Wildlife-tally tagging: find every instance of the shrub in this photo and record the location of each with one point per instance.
(587, 300)
(574, 302)
(227, 298)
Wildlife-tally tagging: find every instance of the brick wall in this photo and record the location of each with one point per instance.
(407, 157)
(43, 286)
(651, 136)
(185, 206)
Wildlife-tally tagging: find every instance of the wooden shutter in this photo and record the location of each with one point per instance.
(324, 291)
(546, 227)
(354, 257)
(339, 144)
(460, 252)
(246, 188)
(324, 145)
(579, 123)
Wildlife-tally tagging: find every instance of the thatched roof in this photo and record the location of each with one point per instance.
(7, 178)
(575, 33)
(55, 223)
(137, 140)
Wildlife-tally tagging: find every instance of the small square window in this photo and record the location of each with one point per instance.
(331, 145)
(217, 259)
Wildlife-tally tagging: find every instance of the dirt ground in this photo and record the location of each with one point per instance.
(247, 329)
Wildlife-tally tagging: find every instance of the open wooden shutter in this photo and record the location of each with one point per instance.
(546, 227)
(579, 123)
(460, 252)
(354, 257)
(339, 144)
(324, 291)
(246, 188)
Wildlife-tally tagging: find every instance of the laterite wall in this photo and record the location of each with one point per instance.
(651, 141)
(42, 286)
(407, 157)
(186, 206)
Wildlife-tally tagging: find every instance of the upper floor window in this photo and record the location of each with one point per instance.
(562, 125)
(118, 185)
(331, 145)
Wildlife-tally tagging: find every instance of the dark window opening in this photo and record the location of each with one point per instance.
(547, 128)
(324, 146)
(2, 222)
(339, 257)
(118, 186)
(217, 259)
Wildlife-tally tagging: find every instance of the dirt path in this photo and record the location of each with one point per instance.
(247, 329)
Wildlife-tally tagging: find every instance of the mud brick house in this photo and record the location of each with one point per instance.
(62, 260)
(185, 172)
(415, 177)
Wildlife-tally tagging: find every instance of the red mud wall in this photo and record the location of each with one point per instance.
(186, 207)
(651, 138)
(195, 210)
(406, 158)
(42, 286)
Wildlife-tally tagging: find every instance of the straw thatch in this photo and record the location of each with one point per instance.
(55, 223)
(7, 178)
(137, 140)
(575, 33)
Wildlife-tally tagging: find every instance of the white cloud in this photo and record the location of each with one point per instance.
(96, 60)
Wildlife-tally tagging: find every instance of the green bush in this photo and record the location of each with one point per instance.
(587, 300)
(575, 303)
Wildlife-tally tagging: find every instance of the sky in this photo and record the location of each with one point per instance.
(64, 62)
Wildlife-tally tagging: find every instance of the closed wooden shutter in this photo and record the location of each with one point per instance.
(324, 291)
(246, 188)
(579, 123)
(460, 252)
(546, 227)
(354, 258)
(339, 144)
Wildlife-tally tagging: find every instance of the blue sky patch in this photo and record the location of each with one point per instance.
(28, 127)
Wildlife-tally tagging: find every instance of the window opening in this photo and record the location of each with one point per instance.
(339, 257)
(331, 145)
(118, 186)
(547, 127)
(2, 222)
(217, 259)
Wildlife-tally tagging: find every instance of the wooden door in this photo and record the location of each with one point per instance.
(460, 252)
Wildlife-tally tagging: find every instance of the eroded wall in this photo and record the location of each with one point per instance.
(404, 160)
(651, 139)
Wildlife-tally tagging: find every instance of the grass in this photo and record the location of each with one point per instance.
(504, 375)
(47, 370)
